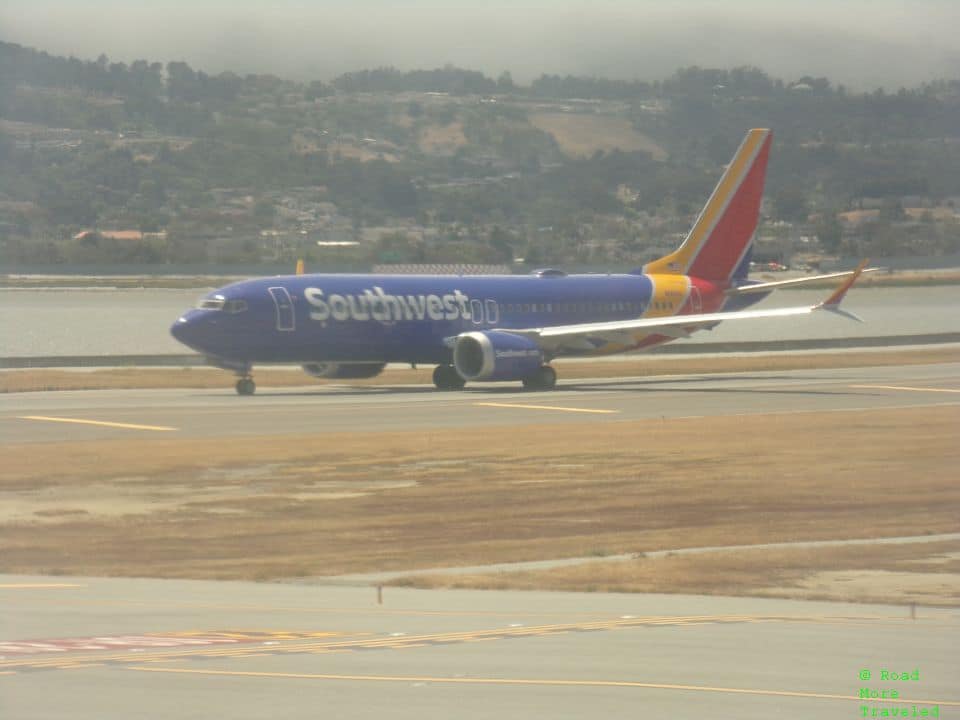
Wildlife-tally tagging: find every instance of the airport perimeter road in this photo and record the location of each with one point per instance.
(95, 649)
(79, 415)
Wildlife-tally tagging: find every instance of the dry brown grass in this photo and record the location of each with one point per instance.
(579, 134)
(359, 152)
(925, 573)
(637, 366)
(442, 139)
(272, 507)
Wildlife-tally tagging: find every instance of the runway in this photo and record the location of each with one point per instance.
(81, 415)
(85, 648)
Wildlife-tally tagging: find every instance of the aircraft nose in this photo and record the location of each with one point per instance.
(185, 330)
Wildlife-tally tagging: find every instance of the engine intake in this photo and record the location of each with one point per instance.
(343, 371)
(495, 355)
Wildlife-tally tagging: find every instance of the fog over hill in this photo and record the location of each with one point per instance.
(861, 43)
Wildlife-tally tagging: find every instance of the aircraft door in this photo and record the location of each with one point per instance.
(696, 302)
(493, 312)
(284, 305)
(476, 312)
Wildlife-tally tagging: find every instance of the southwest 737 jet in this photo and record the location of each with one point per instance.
(497, 328)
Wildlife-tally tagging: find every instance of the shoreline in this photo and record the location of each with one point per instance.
(13, 281)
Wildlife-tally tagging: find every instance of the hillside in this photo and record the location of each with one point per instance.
(104, 162)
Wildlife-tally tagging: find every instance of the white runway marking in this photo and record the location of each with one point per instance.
(547, 407)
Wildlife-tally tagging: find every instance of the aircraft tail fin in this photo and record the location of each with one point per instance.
(720, 243)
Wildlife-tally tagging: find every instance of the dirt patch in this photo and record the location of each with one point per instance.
(922, 573)
(223, 491)
(637, 366)
(880, 586)
(583, 135)
(283, 506)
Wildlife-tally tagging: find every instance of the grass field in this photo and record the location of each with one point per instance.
(293, 506)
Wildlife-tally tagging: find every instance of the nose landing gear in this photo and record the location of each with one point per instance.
(243, 369)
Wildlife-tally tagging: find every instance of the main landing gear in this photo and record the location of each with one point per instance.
(246, 386)
(545, 378)
(445, 377)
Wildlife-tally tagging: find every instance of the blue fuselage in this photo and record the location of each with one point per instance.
(398, 318)
(391, 318)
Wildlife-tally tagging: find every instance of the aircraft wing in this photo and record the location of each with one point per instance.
(621, 331)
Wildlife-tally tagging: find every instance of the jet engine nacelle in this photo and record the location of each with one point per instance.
(343, 371)
(495, 355)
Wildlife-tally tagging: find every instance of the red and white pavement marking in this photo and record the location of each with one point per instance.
(149, 640)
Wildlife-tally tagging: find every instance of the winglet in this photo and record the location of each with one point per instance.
(832, 303)
(299, 270)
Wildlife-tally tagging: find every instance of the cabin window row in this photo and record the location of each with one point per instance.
(580, 307)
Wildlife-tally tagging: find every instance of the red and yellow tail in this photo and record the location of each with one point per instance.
(718, 246)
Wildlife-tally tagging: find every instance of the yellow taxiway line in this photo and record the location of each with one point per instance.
(532, 681)
(37, 586)
(102, 423)
(547, 407)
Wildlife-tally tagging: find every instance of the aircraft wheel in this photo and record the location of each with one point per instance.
(543, 379)
(445, 377)
(246, 386)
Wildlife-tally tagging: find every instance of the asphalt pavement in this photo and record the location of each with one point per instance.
(88, 649)
(92, 414)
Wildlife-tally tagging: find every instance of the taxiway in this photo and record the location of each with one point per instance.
(86, 649)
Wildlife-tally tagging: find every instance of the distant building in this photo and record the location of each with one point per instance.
(134, 235)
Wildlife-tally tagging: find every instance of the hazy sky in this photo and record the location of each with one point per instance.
(862, 43)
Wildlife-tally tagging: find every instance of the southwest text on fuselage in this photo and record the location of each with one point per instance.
(377, 305)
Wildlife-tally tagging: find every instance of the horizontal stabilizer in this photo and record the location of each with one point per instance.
(776, 284)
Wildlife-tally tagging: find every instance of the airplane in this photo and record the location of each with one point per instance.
(502, 327)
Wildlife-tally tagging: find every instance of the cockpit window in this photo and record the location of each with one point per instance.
(219, 302)
(215, 303)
